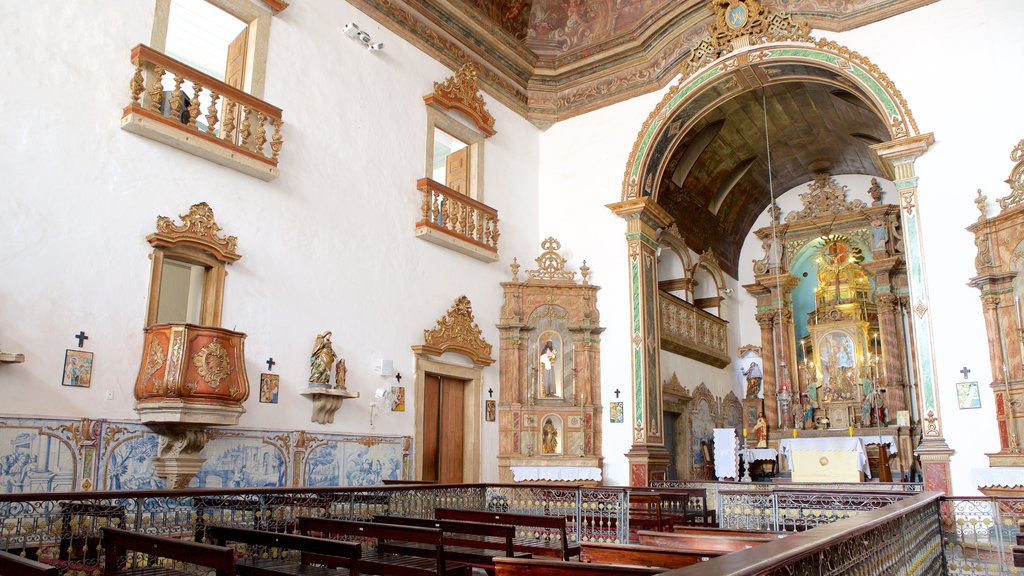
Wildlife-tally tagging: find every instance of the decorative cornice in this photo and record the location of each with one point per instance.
(197, 229)
(824, 197)
(746, 19)
(460, 92)
(457, 331)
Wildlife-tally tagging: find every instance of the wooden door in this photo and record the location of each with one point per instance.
(234, 76)
(456, 171)
(443, 428)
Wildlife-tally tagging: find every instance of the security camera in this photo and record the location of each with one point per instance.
(727, 291)
(375, 46)
(350, 29)
(363, 37)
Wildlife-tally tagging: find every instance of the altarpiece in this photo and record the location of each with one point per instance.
(549, 416)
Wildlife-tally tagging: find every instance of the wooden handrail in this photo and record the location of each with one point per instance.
(455, 195)
(170, 64)
(768, 556)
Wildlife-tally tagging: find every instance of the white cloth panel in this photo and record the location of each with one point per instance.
(837, 444)
(726, 456)
(555, 473)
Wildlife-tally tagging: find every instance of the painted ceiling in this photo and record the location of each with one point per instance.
(553, 59)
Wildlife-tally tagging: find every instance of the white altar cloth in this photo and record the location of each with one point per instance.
(555, 473)
(829, 444)
(726, 465)
(758, 454)
(887, 439)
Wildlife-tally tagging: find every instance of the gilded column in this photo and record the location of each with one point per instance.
(766, 320)
(648, 458)
(897, 160)
(891, 374)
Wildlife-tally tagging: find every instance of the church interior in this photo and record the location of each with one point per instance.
(640, 253)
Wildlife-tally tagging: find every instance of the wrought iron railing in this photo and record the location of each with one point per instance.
(979, 533)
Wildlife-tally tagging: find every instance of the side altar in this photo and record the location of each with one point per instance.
(831, 293)
(549, 414)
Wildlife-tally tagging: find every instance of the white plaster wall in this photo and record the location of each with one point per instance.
(956, 63)
(327, 246)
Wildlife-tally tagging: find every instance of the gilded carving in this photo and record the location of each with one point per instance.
(197, 228)
(739, 19)
(212, 363)
(824, 197)
(154, 360)
(457, 331)
(550, 264)
(1016, 179)
(460, 92)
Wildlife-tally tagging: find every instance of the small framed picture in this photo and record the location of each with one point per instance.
(398, 404)
(967, 395)
(77, 368)
(615, 413)
(269, 384)
(490, 408)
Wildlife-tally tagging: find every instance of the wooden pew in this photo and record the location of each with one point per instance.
(14, 565)
(474, 543)
(640, 555)
(716, 531)
(707, 542)
(556, 545)
(687, 507)
(549, 567)
(117, 543)
(383, 560)
(645, 512)
(337, 558)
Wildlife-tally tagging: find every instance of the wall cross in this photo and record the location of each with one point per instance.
(270, 364)
(81, 338)
(965, 371)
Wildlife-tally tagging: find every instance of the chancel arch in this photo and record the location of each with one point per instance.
(809, 106)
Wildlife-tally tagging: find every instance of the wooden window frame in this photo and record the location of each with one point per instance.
(213, 282)
(440, 120)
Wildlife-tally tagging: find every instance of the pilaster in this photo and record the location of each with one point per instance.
(648, 458)
(896, 158)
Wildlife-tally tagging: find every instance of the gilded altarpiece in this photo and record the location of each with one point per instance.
(1000, 265)
(549, 414)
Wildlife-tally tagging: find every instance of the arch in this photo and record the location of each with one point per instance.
(748, 68)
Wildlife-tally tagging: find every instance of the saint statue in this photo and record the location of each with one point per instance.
(549, 437)
(808, 413)
(339, 374)
(881, 412)
(865, 412)
(761, 431)
(548, 355)
(753, 375)
(321, 360)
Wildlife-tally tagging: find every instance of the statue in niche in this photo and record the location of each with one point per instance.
(321, 361)
(549, 438)
(340, 371)
(808, 412)
(754, 376)
(548, 368)
(879, 235)
(881, 412)
(865, 412)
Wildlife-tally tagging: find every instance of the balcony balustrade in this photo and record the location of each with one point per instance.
(692, 332)
(456, 221)
(235, 130)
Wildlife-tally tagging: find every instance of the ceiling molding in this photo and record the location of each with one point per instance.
(605, 68)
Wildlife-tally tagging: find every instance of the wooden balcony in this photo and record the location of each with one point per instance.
(233, 131)
(692, 332)
(454, 220)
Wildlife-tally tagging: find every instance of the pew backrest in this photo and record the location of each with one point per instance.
(321, 551)
(549, 524)
(707, 542)
(12, 564)
(549, 567)
(640, 555)
(117, 542)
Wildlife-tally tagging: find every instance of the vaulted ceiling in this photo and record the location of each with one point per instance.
(553, 59)
(716, 181)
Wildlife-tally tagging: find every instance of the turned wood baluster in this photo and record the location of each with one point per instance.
(276, 141)
(470, 221)
(156, 89)
(176, 98)
(433, 206)
(138, 83)
(446, 212)
(425, 208)
(246, 126)
(211, 112)
(460, 225)
(495, 234)
(193, 106)
(261, 132)
(229, 121)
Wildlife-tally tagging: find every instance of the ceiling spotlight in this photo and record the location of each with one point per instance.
(352, 31)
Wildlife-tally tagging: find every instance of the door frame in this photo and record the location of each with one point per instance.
(473, 376)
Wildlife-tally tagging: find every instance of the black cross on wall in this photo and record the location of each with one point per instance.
(81, 338)
(617, 392)
(270, 364)
(965, 371)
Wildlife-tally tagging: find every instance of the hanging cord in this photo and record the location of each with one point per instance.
(776, 252)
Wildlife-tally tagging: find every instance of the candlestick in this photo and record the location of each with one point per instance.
(1019, 325)
(851, 431)
(744, 432)
(803, 347)
(794, 432)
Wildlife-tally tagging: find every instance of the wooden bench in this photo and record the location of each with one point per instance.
(548, 567)
(387, 558)
(687, 507)
(645, 512)
(474, 543)
(706, 542)
(641, 555)
(716, 531)
(117, 543)
(333, 558)
(548, 534)
(14, 565)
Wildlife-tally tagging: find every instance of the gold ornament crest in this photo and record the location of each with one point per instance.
(198, 229)
(460, 92)
(1016, 179)
(824, 197)
(457, 331)
(550, 264)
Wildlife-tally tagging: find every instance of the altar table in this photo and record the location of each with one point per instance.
(826, 459)
(555, 473)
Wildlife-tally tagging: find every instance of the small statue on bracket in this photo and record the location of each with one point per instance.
(339, 374)
(321, 361)
(761, 431)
